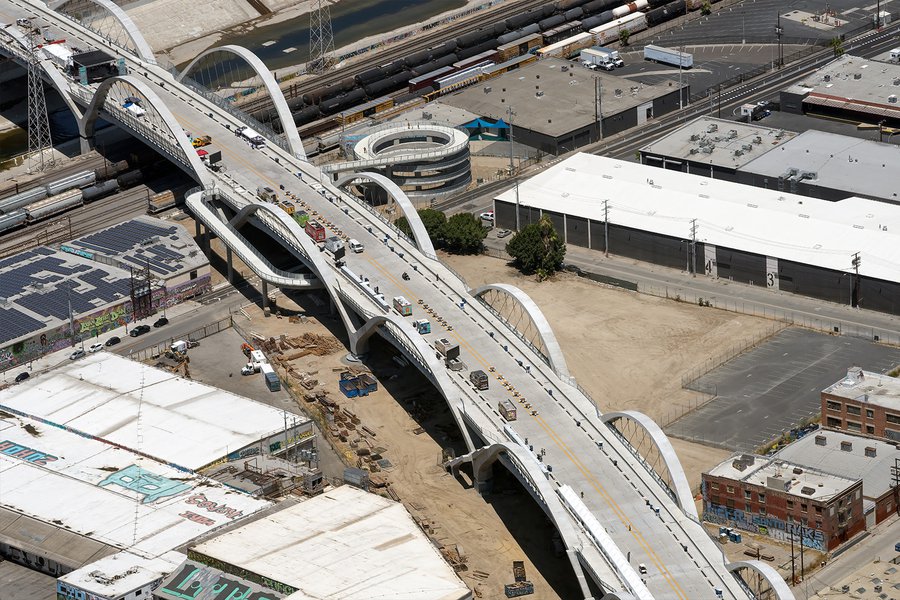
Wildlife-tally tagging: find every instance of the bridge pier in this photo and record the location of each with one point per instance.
(230, 265)
(265, 295)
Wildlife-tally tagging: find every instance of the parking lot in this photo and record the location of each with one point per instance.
(772, 388)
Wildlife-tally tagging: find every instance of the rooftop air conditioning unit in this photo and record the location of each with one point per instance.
(732, 133)
(857, 76)
(694, 151)
(892, 99)
(695, 137)
(711, 128)
(738, 152)
(708, 149)
(826, 78)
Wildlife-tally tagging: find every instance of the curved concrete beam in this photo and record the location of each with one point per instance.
(420, 235)
(618, 596)
(275, 93)
(554, 352)
(427, 360)
(683, 496)
(779, 586)
(200, 172)
(141, 47)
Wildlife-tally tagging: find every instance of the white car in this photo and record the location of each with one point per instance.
(488, 216)
(95, 348)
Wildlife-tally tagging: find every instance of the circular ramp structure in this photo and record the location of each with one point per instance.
(427, 161)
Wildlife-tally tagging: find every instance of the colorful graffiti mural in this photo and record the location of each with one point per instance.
(25, 453)
(201, 501)
(764, 525)
(281, 588)
(151, 486)
(199, 582)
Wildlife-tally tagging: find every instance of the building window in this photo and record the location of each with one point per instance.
(803, 507)
(714, 486)
(729, 489)
(870, 414)
(762, 498)
(747, 495)
(818, 524)
(851, 426)
(892, 418)
(870, 429)
(833, 422)
(790, 505)
(762, 510)
(832, 405)
(818, 510)
(892, 435)
(193, 275)
(715, 500)
(852, 410)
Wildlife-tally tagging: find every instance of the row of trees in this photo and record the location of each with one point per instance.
(536, 249)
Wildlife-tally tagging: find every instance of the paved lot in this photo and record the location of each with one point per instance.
(755, 20)
(773, 387)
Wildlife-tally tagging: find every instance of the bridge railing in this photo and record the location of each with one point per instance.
(643, 462)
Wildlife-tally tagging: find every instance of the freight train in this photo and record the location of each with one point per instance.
(61, 194)
(556, 22)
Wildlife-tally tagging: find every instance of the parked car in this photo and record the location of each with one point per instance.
(95, 348)
(161, 321)
(503, 233)
(488, 216)
(76, 355)
(139, 330)
(113, 340)
(22, 376)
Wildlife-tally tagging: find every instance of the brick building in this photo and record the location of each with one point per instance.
(772, 497)
(863, 402)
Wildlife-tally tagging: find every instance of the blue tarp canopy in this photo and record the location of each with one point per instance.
(482, 124)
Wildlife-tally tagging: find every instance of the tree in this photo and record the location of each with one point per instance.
(433, 220)
(464, 233)
(705, 8)
(837, 45)
(537, 248)
(624, 34)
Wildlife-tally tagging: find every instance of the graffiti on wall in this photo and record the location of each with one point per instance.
(199, 582)
(25, 453)
(764, 525)
(281, 588)
(151, 486)
(201, 501)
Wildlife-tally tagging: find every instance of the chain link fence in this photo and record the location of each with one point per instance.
(201, 332)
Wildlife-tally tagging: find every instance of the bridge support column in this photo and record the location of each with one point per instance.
(483, 472)
(265, 295)
(230, 265)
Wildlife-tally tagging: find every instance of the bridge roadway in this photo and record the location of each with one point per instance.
(562, 425)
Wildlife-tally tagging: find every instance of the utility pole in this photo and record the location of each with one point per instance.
(321, 38)
(693, 268)
(793, 564)
(38, 123)
(895, 479)
(606, 226)
(778, 33)
(510, 113)
(598, 105)
(854, 299)
(680, 86)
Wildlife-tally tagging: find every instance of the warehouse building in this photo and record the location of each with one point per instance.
(783, 500)
(851, 456)
(849, 87)
(183, 423)
(814, 163)
(102, 521)
(345, 543)
(844, 251)
(557, 105)
(864, 403)
(101, 281)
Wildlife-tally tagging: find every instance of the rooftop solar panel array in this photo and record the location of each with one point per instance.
(46, 283)
(125, 242)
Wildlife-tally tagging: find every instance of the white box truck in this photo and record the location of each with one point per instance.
(669, 56)
(603, 55)
(594, 59)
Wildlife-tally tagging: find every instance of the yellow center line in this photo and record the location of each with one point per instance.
(636, 533)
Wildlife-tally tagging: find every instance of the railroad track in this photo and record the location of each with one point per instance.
(395, 51)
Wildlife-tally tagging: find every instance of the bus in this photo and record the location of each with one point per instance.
(255, 140)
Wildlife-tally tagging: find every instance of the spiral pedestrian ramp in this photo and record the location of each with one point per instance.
(425, 160)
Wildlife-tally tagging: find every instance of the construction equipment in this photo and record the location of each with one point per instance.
(246, 349)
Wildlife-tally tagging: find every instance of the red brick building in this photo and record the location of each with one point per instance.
(864, 403)
(770, 496)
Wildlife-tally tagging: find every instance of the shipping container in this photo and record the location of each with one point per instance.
(605, 34)
(507, 409)
(402, 306)
(568, 47)
(272, 381)
(519, 46)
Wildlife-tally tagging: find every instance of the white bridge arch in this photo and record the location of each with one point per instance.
(281, 106)
(552, 351)
(680, 486)
(420, 235)
(772, 577)
(139, 45)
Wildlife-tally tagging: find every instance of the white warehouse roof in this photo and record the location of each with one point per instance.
(344, 544)
(183, 422)
(94, 490)
(766, 222)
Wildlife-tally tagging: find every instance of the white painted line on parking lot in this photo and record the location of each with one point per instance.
(850, 10)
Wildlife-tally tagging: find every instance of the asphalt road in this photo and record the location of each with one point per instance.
(768, 390)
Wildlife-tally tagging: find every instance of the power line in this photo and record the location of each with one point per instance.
(321, 38)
